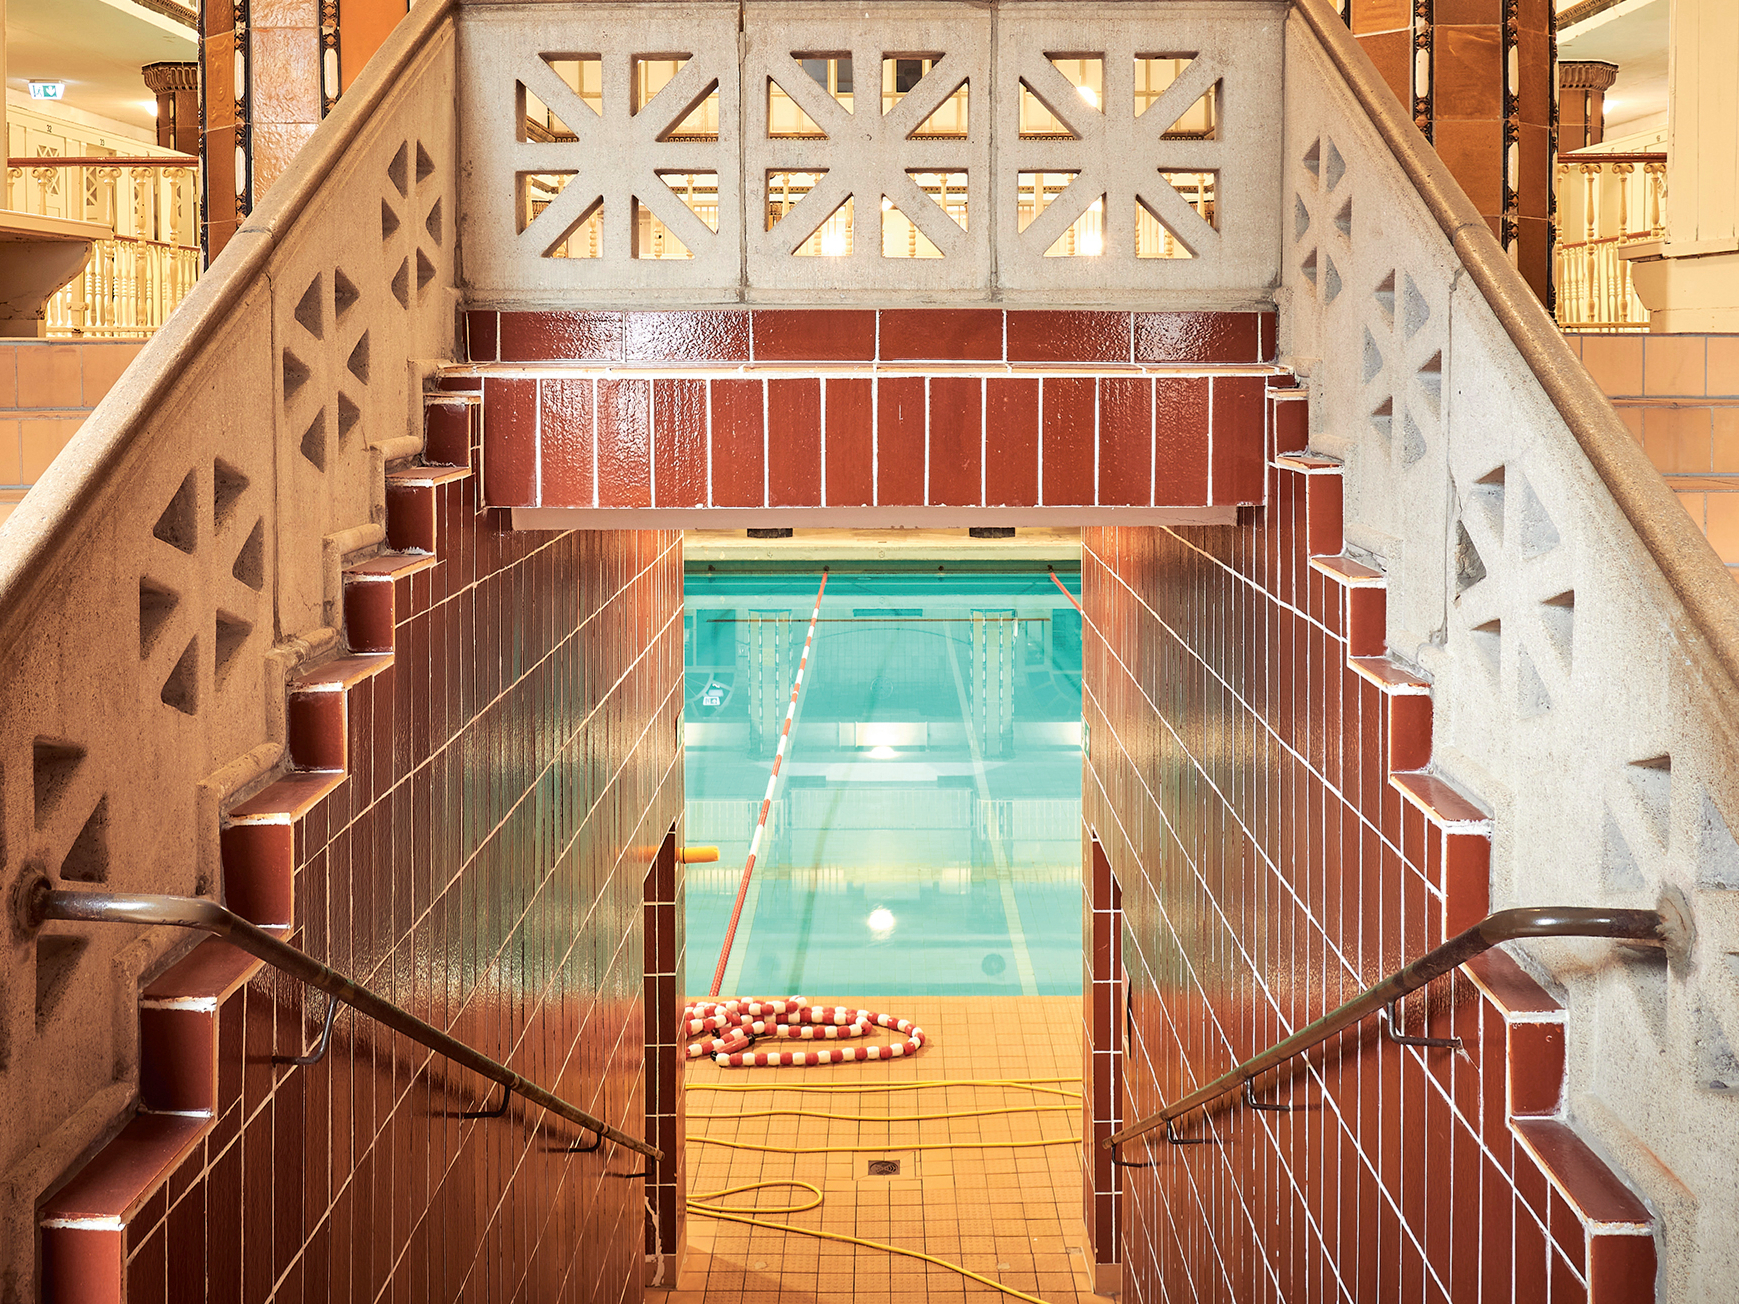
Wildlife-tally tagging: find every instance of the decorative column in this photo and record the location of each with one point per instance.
(1478, 77)
(176, 87)
(225, 142)
(1690, 281)
(1582, 87)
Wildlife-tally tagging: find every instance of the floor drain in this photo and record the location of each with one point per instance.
(884, 1168)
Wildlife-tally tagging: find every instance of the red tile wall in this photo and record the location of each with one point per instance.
(1114, 409)
(484, 862)
(1238, 777)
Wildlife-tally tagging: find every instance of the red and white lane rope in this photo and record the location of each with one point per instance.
(767, 801)
(791, 1018)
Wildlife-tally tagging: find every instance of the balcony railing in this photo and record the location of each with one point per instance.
(137, 278)
(1605, 202)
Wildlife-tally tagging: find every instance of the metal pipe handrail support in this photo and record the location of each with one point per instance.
(1659, 927)
(44, 903)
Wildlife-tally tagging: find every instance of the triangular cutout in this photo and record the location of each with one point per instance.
(1469, 565)
(949, 121)
(425, 271)
(87, 861)
(1343, 220)
(538, 122)
(1651, 781)
(156, 605)
(389, 221)
(344, 294)
(348, 415)
(308, 310)
(652, 238)
(1085, 237)
(1037, 191)
(1384, 294)
(1154, 238)
(181, 689)
(178, 526)
(401, 283)
(231, 635)
(56, 958)
(357, 363)
(1308, 267)
(314, 441)
(1618, 868)
(583, 74)
(434, 224)
(901, 237)
(296, 374)
(396, 170)
(698, 120)
(1535, 532)
(1488, 498)
(227, 485)
(1300, 218)
(425, 164)
(1717, 853)
(1312, 159)
(831, 239)
(1383, 418)
(699, 193)
(946, 190)
(1430, 378)
(250, 562)
(1037, 122)
(1372, 362)
(1330, 280)
(1488, 644)
(1412, 440)
(787, 119)
(584, 237)
(1334, 167)
(1415, 312)
(1558, 619)
(53, 764)
(1199, 121)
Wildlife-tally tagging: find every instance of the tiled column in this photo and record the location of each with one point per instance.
(664, 1097)
(1448, 63)
(1102, 1106)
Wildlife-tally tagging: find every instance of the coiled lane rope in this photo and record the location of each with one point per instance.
(791, 1018)
(706, 1204)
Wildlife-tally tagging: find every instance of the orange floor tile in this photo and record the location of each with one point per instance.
(1011, 1213)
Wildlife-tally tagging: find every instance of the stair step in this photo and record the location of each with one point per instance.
(426, 475)
(287, 800)
(345, 672)
(124, 1173)
(377, 593)
(1441, 804)
(1390, 676)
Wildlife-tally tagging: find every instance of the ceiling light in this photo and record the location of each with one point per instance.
(883, 753)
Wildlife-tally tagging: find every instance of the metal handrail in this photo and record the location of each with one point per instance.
(1650, 926)
(196, 912)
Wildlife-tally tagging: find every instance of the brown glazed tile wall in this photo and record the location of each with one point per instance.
(482, 859)
(1253, 778)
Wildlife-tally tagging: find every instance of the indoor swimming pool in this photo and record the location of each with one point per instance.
(925, 835)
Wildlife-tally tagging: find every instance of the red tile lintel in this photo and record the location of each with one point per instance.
(1594, 1191)
(390, 565)
(1344, 570)
(125, 1172)
(1512, 990)
(336, 676)
(290, 798)
(1390, 676)
(1307, 464)
(210, 972)
(1440, 803)
(421, 476)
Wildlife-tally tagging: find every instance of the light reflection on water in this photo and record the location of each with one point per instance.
(926, 835)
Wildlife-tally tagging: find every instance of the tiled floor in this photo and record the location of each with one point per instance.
(1012, 1214)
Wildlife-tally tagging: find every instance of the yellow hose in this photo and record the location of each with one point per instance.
(704, 1205)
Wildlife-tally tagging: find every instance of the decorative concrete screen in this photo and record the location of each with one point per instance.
(793, 153)
(916, 416)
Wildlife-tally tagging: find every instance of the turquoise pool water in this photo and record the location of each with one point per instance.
(925, 838)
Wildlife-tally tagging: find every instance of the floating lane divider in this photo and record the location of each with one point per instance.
(791, 1018)
(767, 801)
(1074, 601)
